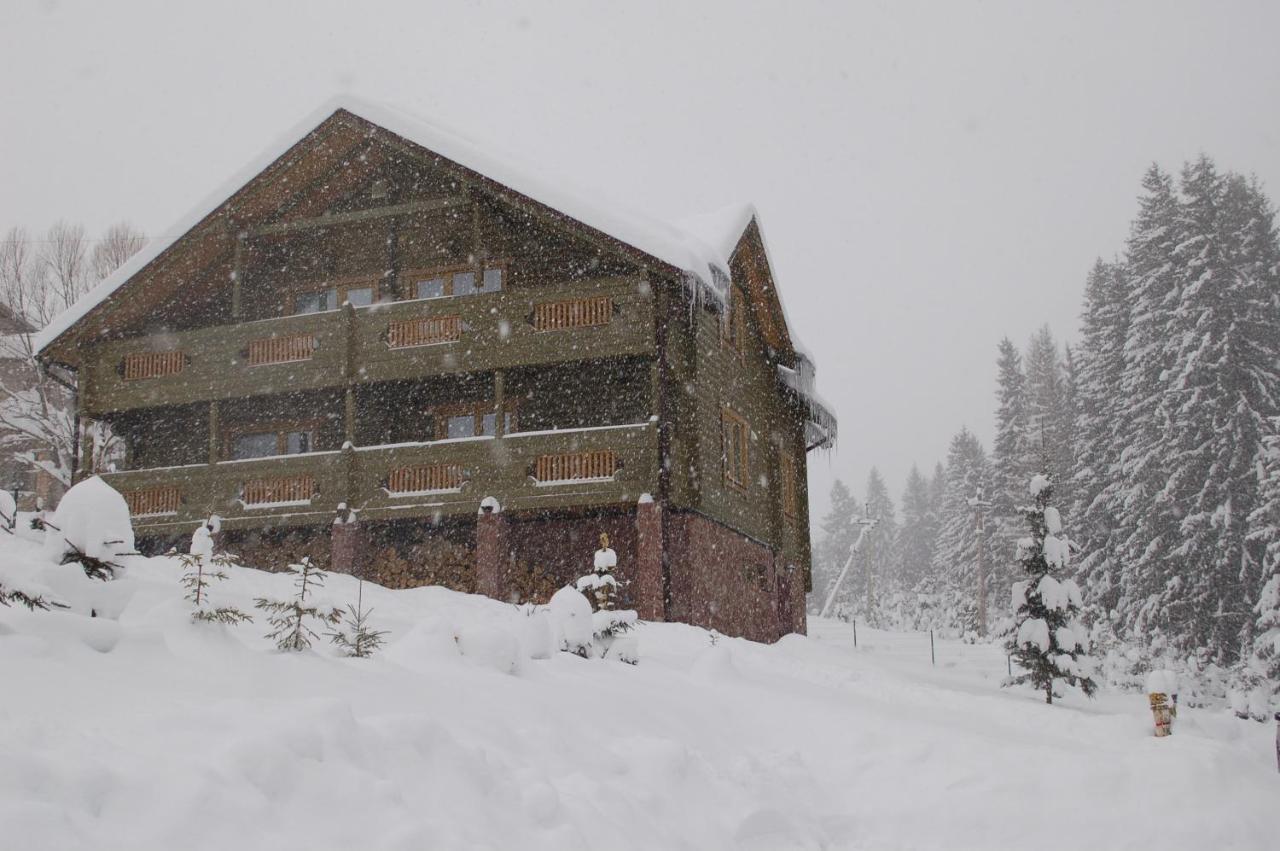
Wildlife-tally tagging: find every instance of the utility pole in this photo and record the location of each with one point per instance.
(866, 523)
(980, 504)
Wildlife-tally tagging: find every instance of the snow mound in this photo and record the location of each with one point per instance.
(490, 647)
(92, 518)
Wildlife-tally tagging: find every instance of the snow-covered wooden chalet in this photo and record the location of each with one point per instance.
(382, 347)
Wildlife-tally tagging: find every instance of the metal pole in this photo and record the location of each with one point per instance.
(855, 632)
(979, 504)
(853, 551)
(933, 657)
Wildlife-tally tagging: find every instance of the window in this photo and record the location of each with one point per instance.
(733, 326)
(471, 420)
(360, 292)
(439, 283)
(736, 451)
(315, 302)
(266, 442)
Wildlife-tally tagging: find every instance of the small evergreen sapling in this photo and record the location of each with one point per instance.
(200, 568)
(289, 618)
(1047, 640)
(358, 640)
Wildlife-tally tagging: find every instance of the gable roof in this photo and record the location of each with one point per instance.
(704, 267)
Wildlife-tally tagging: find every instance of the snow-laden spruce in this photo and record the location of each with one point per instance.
(91, 528)
(1047, 641)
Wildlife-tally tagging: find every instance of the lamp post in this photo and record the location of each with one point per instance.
(980, 504)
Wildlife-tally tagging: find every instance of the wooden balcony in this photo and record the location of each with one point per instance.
(524, 471)
(597, 318)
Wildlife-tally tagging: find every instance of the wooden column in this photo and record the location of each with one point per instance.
(213, 432)
(492, 554)
(499, 393)
(86, 448)
(349, 415)
(237, 277)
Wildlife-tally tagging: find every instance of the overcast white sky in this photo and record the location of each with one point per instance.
(931, 177)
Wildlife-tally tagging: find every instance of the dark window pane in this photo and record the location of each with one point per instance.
(254, 445)
(313, 302)
(431, 288)
(489, 424)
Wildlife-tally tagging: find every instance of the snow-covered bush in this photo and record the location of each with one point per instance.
(8, 511)
(357, 638)
(91, 527)
(490, 647)
(571, 621)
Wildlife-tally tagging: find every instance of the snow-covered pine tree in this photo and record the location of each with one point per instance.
(1224, 386)
(355, 637)
(201, 567)
(918, 533)
(839, 531)
(289, 619)
(1047, 640)
(1048, 409)
(1100, 369)
(878, 551)
(1264, 660)
(1010, 459)
(955, 556)
(1147, 527)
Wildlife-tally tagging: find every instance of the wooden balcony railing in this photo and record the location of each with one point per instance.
(425, 331)
(268, 350)
(140, 365)
(153, 502)
(576, 466)
(286, 490)
(425, 478)
(572, 313)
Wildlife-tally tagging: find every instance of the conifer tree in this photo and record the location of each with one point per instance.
(839, 532)
(357, 639)
(1265, 535)
(1047, 640)
(877, 554)
(1009, 460)
(1048, 409)
(1105, 325)
(1147, 528)
(290, 619)
(918, 533)
(955, 558)
(201, 567)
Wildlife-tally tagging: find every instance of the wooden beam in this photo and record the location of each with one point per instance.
(499, 389)
(213, 432)
(359, 216)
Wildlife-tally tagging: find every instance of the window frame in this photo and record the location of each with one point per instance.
(477, 410)
(340, 286)
(733, 322)
(280, 428)
(731, 419)
(409, 279)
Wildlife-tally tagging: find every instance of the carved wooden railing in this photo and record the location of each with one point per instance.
(150, 502)
(424, 331)
(576, 466)
(425, 478)
(269, 350)
(140, 365)
(285, 489)
(572, 313)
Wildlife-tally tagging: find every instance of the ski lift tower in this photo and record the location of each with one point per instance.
(866, 523)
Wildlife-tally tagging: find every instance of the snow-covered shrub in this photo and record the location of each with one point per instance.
(490, 647)
(357, 638)
(535, 632)
(571, 621)
(91, 527)
(8, 511)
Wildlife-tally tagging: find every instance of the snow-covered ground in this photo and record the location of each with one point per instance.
(141, 730)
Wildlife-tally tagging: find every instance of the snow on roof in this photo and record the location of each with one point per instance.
(721, 229)
(704, 265)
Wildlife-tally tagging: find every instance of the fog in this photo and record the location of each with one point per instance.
(930, 177)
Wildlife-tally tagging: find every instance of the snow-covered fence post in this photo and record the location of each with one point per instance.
(1278, 741)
